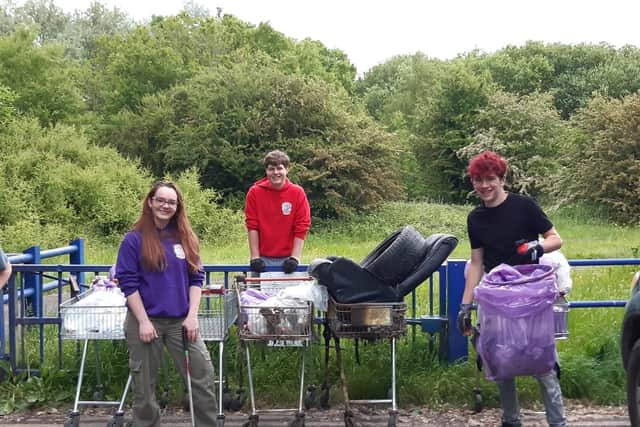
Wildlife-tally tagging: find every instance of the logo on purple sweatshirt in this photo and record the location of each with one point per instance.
(179, 251)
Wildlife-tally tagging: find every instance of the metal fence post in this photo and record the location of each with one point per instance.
(458, 344)
(33, 281)
(77, 257)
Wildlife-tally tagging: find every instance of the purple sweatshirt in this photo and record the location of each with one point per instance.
(164, 293)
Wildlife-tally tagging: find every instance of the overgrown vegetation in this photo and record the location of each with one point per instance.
(591, 366)
(93, 107)
(215, 93)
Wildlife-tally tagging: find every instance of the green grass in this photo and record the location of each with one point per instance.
(590, 358)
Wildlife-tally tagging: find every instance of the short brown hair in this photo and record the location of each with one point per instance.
(275, 158)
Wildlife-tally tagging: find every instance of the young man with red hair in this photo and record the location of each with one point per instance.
(495, 229)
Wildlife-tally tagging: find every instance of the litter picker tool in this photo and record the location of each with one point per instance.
(185, 346)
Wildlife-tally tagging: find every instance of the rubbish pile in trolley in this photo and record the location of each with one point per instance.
(277, 308)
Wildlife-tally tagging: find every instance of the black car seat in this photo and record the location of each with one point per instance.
(397, 266)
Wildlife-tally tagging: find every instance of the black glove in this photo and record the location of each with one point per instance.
(257, 265)
(531, 251)
(464, 319)
(290, 265)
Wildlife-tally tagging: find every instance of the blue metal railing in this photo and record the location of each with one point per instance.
(459, 345)
(31, 293)
(444, 295)
(20, 317)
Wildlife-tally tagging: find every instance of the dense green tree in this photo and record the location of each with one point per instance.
(602, 160)
(445, 127)
(61, 187)
(519, 70)
(225, 119)
(132, 65)
(528, 131)
(47, 20)
(171, 50)
(58, 186)
(86, 26)
(7, 18)
(573, 73)
(397, 93)
(7, 102)
(43, 82)
(311, 58)
(401, 86)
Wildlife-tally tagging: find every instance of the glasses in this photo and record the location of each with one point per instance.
(160, 202)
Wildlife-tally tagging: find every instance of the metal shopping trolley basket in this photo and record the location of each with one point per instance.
(278, 325)
(86, 317)
(218, 311)
(370, 321)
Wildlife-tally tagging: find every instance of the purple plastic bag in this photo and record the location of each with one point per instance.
(250, 298)
(516, 321)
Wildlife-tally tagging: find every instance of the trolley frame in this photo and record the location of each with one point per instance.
(218, 311)
(284, 326)
(370, 321)
(92, 322)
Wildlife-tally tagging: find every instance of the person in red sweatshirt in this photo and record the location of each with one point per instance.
(277, 216)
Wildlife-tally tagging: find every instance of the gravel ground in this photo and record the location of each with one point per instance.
(577, 414)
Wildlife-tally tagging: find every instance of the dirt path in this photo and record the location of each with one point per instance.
(577, 415)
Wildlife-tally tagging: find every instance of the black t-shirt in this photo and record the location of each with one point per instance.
(497, 229)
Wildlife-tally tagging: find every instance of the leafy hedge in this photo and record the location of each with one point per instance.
(58, 186)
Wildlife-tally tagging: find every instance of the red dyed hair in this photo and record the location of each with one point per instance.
(487, 163)
(153, 257)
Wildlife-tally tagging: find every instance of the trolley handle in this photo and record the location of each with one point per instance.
(214, 290)
(272, 279)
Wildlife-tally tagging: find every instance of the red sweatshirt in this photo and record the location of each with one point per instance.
(278, 216)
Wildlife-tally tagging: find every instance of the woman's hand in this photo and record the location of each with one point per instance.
(147, 332)
(191, 327)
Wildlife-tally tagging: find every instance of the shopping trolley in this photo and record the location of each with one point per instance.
(369, 321)
(278, 326)
(86, 321)
(218, 311)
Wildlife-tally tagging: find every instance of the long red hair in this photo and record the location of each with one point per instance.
(153, 257)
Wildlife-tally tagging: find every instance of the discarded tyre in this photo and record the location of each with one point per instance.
(397, 255)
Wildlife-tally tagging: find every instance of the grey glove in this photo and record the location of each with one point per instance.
(290, 265)
(257, 265)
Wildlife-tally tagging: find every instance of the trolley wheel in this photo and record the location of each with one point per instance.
(98, 393)
(477, 401)
(73, 421)
(298, 421)
(164, 399)
(311, 398)
(116, 421)
(349, 420)
(324, 397)
(237, 402)
(220, 421)
(227, 397)
(253, 421)
(393, 419)
(185, 402)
